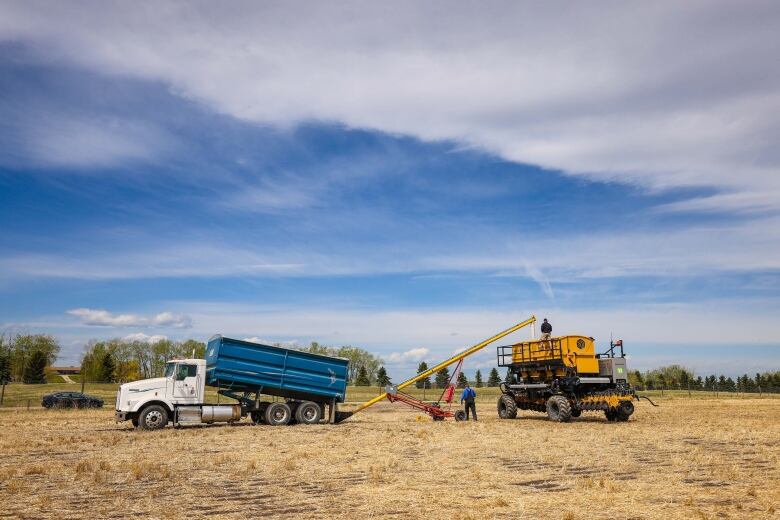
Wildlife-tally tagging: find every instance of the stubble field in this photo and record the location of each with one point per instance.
(689, 458)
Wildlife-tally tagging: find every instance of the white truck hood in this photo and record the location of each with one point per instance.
(131, 395)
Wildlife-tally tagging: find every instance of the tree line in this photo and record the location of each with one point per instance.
(442, 378)
(679, 377)
(24, 357)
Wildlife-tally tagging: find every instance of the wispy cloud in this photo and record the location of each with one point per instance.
(104, 318)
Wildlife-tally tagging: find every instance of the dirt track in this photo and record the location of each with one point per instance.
(687, 459)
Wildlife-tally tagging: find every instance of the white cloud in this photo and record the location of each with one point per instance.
(658, 94)
(396, 335)
(415, 354)
(103, 318)
(143, 338)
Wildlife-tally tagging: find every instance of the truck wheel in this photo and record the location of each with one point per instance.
(558, 409)
(460, 415)
(624, 411)
(507, 407)
(278, 414)
(308, 412)
(153, 417)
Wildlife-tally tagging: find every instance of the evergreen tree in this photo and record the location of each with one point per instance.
(699, 383)
(478, 379)
(108, 369)
(35, 369)
(426, 381)
(382, 380)
(494, 379)
(721, 383)
(510, 377)
(462, 381)
(442, 377)
(730, 385)
(362, 378)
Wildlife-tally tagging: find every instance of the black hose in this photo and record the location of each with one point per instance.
(638, 397)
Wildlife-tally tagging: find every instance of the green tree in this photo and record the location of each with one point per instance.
(509, 378)
(35, 370)
(442, 377)
(462, 380)
(359, 358)
(635, 379)
(494, 379)
(478, 379)
(22, 347)
(5, 361)
(108, 368)
(426, 381)
(382, 379)
(362, 377)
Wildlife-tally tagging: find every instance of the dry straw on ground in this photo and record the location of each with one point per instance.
(703, 458)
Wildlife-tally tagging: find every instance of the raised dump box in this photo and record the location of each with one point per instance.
(242, 366)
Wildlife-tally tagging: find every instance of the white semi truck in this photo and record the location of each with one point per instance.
(243, 371)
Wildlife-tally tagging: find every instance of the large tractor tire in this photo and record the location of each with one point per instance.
(278, 414)
(153, 417)
(507, 407)
(308, 412)
(558, 409)
(624, 411)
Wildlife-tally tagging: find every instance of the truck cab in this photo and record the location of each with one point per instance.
(183, 383)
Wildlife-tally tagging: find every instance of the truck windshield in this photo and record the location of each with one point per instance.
(169, 368)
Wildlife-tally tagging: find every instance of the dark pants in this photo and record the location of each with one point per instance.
(469, 405)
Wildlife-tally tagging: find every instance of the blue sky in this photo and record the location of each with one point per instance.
(408, 196)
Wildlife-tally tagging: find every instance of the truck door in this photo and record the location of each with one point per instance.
(185, 384)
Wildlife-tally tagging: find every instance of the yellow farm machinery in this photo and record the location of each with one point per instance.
(564, 377)
(561, 376)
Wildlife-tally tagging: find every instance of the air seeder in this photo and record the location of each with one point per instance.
(564, 377)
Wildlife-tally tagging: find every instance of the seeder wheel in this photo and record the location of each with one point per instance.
(460, 415)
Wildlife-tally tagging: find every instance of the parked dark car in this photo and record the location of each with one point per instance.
(71, 400)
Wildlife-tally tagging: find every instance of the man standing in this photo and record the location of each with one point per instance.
(546, 335)
(468, 397)
(546, 330)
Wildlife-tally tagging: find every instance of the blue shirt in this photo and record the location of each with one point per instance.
(468, 393)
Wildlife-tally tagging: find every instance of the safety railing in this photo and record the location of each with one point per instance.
(534, 351)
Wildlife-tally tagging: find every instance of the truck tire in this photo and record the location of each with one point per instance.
(558, 409)
(308, 412)
(153, 417)
(278, 414)
(507, 407)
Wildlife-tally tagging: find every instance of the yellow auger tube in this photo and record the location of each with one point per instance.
(465, 353)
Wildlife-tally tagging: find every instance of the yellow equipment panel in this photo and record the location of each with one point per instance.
(578, 352)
